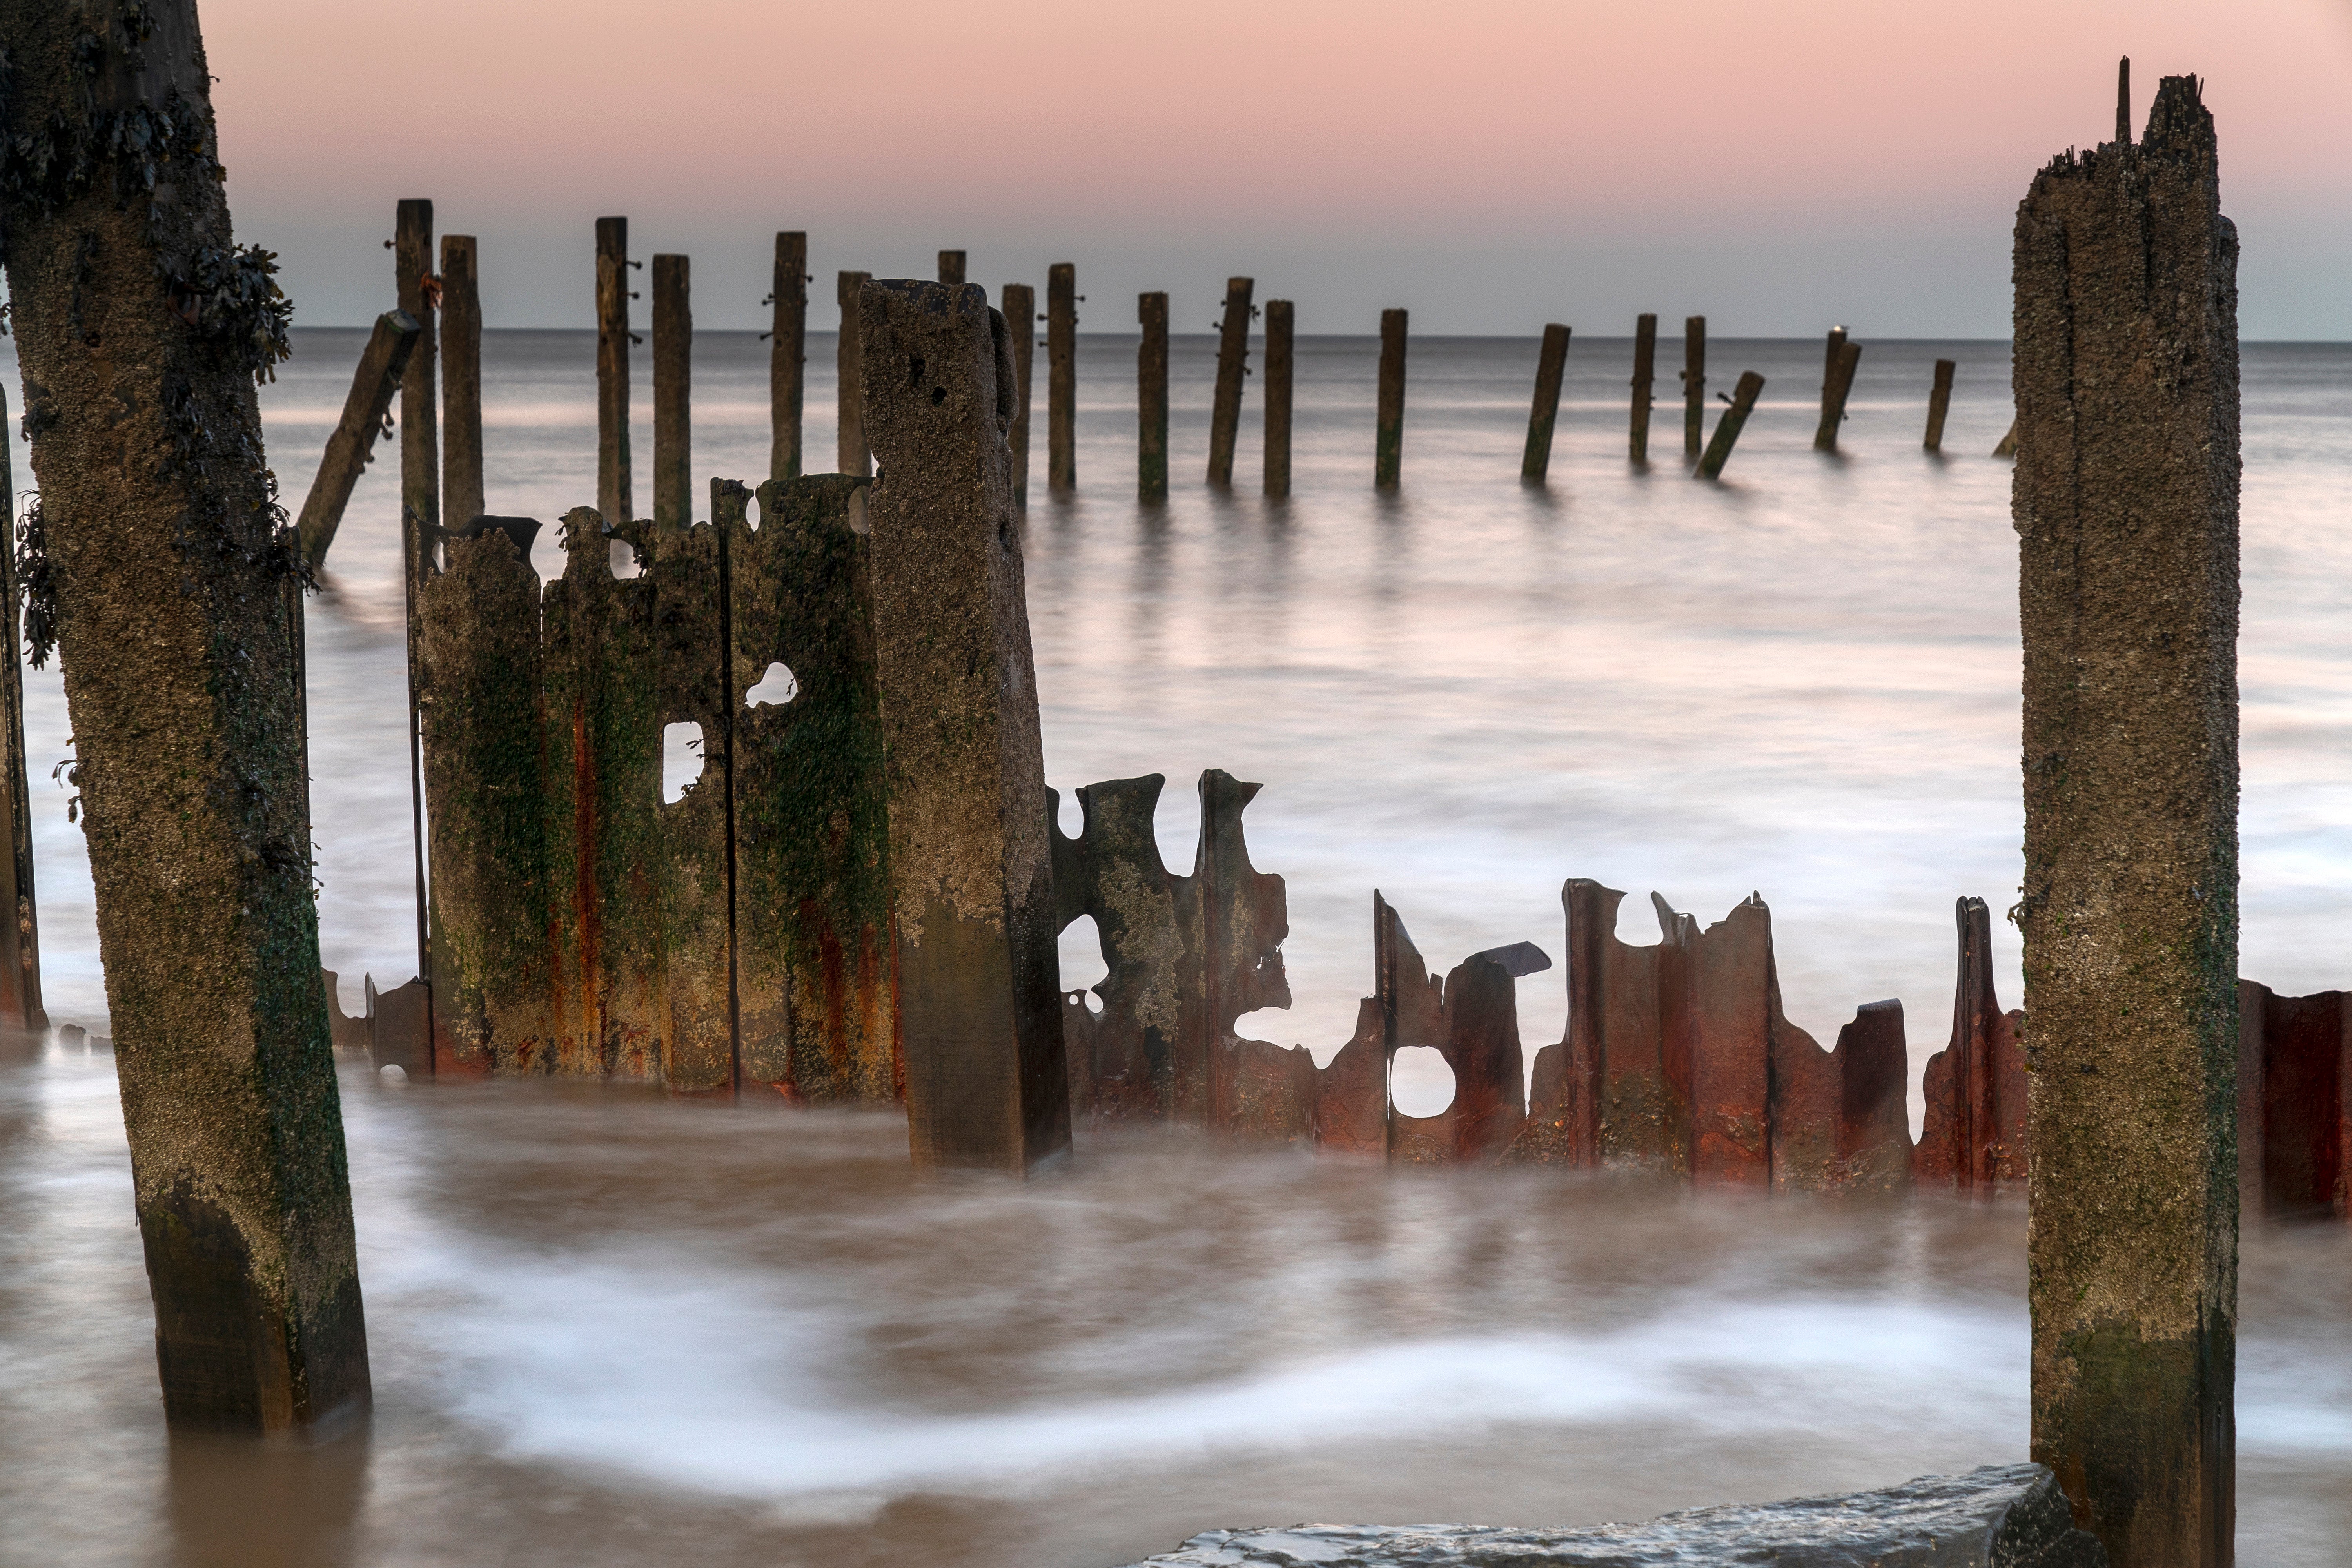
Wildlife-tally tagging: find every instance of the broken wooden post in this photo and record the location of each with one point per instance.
(2125, 504)
(1939, 403)
(1279, 322)
(1551, 365)
(787, 353)
(20, 942)
(142, 327)
(1233, 365)
(1728, 429)
(1388, 453)
(1694, 383)
(461, 380)
(382, 364)
(616, 494)
(1836, 384)
(673, 392)
(1151, 401)
(1061, 377)
(852, 456)
(420, 514)
(1021, 315)
(1646, 364)
(951, 266)
(970, 854)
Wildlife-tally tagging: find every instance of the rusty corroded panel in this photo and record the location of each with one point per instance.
(1112, 871)
(1240, 916)
(691, 688)
(1973, 1136)
(1351, 1095)
(816, 975)
(602, 740)
(478, 703)
(1839, 1120)
(1731, 1012)
(2297, 1125)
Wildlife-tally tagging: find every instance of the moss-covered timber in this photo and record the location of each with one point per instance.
(690, 666)
(140, 328)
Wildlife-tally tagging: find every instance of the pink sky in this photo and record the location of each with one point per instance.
(1491, 164)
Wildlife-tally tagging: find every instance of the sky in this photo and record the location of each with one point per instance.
(1488, 164)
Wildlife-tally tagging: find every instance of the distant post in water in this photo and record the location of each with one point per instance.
(1279, 319)
(1728, 429)
(673, 392)
(383, 365)
(851, 456)
(1062, 377)
(1388, 455)
(461, 380)
(1233, 365)
(1551, 365)
(2126, 505)
(616, 494)
(1019, 303)
(1151, 399)
(1939, 403)
(787, 355)
(1645, 373)
(1694, 383)
(1837, 383)
(951, 266)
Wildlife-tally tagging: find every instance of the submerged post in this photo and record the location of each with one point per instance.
(787, 355)
(1279, 322)
(382, 365)
(852, 456)
(1233, 365)
(951, 266)
(1728, 429)
(1062, 378)
(616, 495)
(142, 327)
(1694, 383)
(1019, 301)
(1387, 454)
(1837, 383)
(969, 857)
(1645, 373)
(1939, 403)
(2125, 504)
(1551, 365)
(461, 380)
(1151, 399)
(673, 392)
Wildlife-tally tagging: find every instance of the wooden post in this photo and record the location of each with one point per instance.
(169, 566)
(1694, 383)
(673, 392)
(1939, 403)
(852, 455)
(2125, 504)
(2123, 103)
(1061, 378)
(1728, 429)
(461, 379)
(420, 513)
(1021, 319)
(616, 495)
(787, 355)
(20, 939)
(1551, 365)
(1151, 400)
(382, 365)
(951, 266)
(969, 852)
(1233, 365)
(1646, 364)
(1836, 384)
(1279, 319)
(1388, 455)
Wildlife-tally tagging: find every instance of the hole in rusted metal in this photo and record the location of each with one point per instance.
(1419, 1081)
(777, 687)
(682, 760)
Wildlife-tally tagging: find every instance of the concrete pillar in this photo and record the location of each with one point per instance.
(673, 391)
(384, 363)
(1151, 402)
(461, 380)
(951, 266)
(1837, 383)
(616, 496)
(2125, 504)
(1232, 366)
(970, 854)
(1694, 383)
(787, 355)
(1551, 362)
(1062, 377)
(20, 944)
(853, 455)
(1645, 371)
(182, 653)
(1280, 318)
(1388, 453)
(1020, 316)
(1728, 429)
(1939, 403)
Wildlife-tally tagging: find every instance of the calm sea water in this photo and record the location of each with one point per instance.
(610, 1329)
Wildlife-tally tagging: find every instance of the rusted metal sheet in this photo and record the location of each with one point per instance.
(2293, 1130)
(400, 1029)
(1351, 1094)
(1841, 1121)
(1615, 1091)
(1732, 1022)
(1112, 871)
(1471, 1021)
(692, 674)
(1238, 917)
(1973, 1137)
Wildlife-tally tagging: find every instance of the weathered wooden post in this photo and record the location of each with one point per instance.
(1019, 301)
(673, 391)
(1728, 429)
(141, 328)
(1062, 377)
(382, 365)
(1388, 455)
(1232, 366)
(951, 266)
(616, 494)
(2123, 102)
(461, 380)
(970, 854)
(420, 512)
(1837, 383)
(20, 938)
(1645, 371)
(1551, 365)
(852, 456)
(2126, 504)
(787, 353)
(1279, 322)
(1151, 401)
(1939, 403)
(1694, 383)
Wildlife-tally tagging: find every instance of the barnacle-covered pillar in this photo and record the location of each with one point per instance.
(140, 328)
